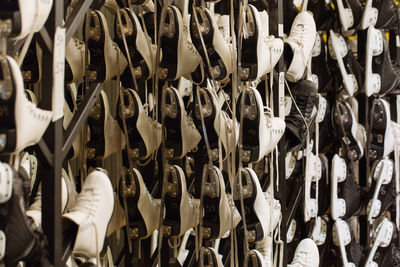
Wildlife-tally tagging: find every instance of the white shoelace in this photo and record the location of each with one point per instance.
(87, 201)
(301, 258)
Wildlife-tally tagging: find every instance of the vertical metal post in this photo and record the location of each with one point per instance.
(51, 179)
(279, 108)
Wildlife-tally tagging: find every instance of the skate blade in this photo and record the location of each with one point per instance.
(311, 209)
(350, 84)
(315, 168)
(338, 174)
(321, 109)
(338, 208)
(337, 45)
(346, 18)
(341, 233)
(374, 48)
(2, 244)
(319, 231)
(382, 238)
(341, 236)
(384, 233)
(338, 50)
(6, 183)
(369, 16)
(373, 209)
(316, 51)
(384, 171)
(382, 175)
(290, 163)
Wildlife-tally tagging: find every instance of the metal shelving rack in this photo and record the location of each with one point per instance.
(288, 209)
(56, 142)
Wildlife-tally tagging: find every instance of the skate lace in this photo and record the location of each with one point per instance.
(223, 27)
(79, 44)
(301, 258)
(273, 49)
(268, 115)
(146, 112)
(228, 123)
(87, 201)
(188, 41)
(305, 107)
(36, 112)
(297, 35)
(37, 202)
(190, 121)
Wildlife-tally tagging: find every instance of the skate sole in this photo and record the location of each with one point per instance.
(346, 130)
(96, 121)
(173, 122)
(131, 190)
(338, 205)
(378, 131)
(172, 201)
(8, 95)
(211, 203)
(249, 196)
(218, 67)
(96, 41)
(137, 146)
(169, 42)
(250, 128)
(249, 48)
(209, 114)
(136, 58)
(338, 46)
